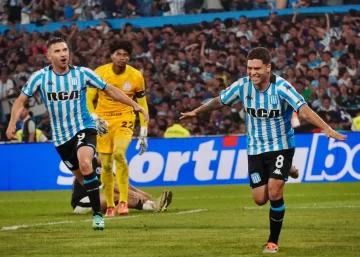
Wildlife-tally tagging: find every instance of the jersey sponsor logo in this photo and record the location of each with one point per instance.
(263, 113)
(273, 99)
(63, 95)
(127, 86)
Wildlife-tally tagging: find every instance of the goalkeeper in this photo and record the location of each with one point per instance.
(116, 121)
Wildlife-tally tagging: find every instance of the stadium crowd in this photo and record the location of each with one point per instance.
(185, 66)
(42, 11)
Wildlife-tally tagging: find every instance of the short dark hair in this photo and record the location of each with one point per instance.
(121, 44)
(260, 53)
(54, 40)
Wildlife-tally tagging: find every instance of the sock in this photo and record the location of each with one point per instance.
(277, 211)
(107, 179)
(148, 205)
(91, 184)
(139, 205)
(122, 169)
(122, 178)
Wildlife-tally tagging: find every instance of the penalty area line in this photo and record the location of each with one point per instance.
(89, 220)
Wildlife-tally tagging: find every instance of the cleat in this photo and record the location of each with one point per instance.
(98, 222)
(271, 248)
(169, 195)
(123, 209)
(160, 202)
(294, 172)
(110, 212)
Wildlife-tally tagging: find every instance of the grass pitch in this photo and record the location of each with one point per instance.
(320, 220)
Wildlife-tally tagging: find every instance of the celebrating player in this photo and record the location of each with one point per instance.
(137, 199)
(269, 101)
(63, 88)
(121, 121)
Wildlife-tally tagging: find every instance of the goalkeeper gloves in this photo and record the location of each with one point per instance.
(142, 143)
(101, 125)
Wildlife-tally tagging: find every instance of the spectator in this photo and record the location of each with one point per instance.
(28, 126)
(184, 66)
(97, 13)
(6, 86)
(356, 122)
(44, 126)
(176, 130)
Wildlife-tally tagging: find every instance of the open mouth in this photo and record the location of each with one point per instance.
(63, 61)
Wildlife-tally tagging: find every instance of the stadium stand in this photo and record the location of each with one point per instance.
(184, 65)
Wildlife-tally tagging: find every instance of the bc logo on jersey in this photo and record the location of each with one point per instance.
(74, 81)
(273, 99)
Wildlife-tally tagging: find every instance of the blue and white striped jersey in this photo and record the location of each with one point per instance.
(268, 113)
(64, 97)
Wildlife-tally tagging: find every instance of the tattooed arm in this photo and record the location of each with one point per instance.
(211, 105)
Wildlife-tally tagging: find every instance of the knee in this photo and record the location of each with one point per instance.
(85, 166)
(119, 154)
(106, 166)
(260, 201)
(275, 193)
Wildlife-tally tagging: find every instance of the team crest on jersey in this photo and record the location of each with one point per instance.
(127, 86)
(74, 81)
(273, 99)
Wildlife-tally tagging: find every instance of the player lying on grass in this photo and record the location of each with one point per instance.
(137, 199)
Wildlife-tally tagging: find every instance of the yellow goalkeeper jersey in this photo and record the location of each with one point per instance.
(131, 82)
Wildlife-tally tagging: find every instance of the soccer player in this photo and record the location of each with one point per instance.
(63, 89)
(137, 199)
(269, 101)
(121, 121)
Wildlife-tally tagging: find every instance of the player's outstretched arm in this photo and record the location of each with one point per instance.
(15, 114)
(313, 118)
(211, 105)
(120, 96)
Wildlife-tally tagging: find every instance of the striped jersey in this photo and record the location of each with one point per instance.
(268, 112)
(64, 97)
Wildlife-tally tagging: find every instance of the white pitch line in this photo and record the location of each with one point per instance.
(89, 220)
(249, 196)
(307, 207)
(201, 197)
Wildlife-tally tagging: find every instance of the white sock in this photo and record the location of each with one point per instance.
(148, 205)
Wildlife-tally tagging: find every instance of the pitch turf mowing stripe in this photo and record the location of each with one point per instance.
(89, 220)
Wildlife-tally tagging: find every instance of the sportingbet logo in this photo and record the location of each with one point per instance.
(203, 164)
(223, 160)
(332, 160)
